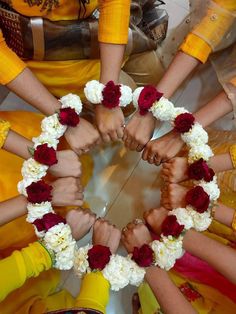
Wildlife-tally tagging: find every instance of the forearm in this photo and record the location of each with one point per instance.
(224, 214)
(215, 109)
(222, 162)
(111, 62)
(17, 144)
(163, 288)
(179, 69)
(27, 86)
(219, 256)
(12, 208)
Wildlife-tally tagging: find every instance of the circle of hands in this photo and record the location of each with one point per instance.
(136, 135)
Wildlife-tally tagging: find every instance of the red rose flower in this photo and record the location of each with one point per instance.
(170, 226)
(184, 122)
(39, 192)
(111, 95)
(68, 116)
(51, 219)
(143, 256)
(198, 198)
(199, 170)
(147, 97)
(39, 224)
(45, 155)
(48, 221)
(99, 257)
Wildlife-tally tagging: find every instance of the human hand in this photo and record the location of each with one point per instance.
(110, 123)
(173, 196)
(139, 131)
(83, 137)
(106, 234)
(80, 221)
(155, 217)
(175, 170)
(67, 192)
(135, 235)
(68, 165)
(163, 148)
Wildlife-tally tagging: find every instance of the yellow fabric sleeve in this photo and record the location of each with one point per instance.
(94, 292)
(4, 129)
(10, 64)
(114, 21)
(210, 31)
(196, 47)
(232, 151)
(21, 265)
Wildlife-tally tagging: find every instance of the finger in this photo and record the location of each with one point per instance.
(113, 135)
(157, 160)
(130, 226)
(145, 154)
(128, 142)
(77, 202)
(166, 165)
(79, 152)
(120, 132)
(140, 147)
(151, 159)
(125, 136)
(106, 138)
(133, 145)
(79, 195)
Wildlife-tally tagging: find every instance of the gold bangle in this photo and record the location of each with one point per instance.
(232, 151)
(233, 224)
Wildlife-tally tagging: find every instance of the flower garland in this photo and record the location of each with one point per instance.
(202, 197)
(109, 95)
(118, 270)
(52, 229)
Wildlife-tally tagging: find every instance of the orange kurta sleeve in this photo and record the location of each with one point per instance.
(10, 64)
(114, 21)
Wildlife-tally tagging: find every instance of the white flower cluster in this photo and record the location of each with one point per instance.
(167, 251)
(93, 92)
(190, 218)
(211, 188)
(58, 238)
(120, 271)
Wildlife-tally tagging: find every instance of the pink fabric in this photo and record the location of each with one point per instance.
(196, 269)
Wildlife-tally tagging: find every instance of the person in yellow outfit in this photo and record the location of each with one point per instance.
(20, 266)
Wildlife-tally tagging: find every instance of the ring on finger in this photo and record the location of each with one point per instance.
(138, 221)
(124, 229)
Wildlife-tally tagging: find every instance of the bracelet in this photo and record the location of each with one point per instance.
(109, 95)
(233, 224)
(232, 151)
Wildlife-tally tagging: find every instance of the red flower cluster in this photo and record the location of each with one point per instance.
(199, 170)
(147, 97)
(184, 122)
(48, 221)
(99, 257)
(143, 256)
(68, 116)
(45, 155)
(111, 95)
(171, 227)
(39, 192)
(198, 198)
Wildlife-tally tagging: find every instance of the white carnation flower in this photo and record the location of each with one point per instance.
(64, 260)
(39, 234)
(37, 211)
(175, 246)
(199, 151)
(126, 95)
(93, 91)
(136, 95)
(45, 138)
(59, 237)
(81, 265)
(212, 189)
(201, 221)
(196, 136)
(183, 217)
(117, 272)
(162, 109)
(33, 170)
(52, 126)
(136, 273)
(73, 101)
(22, 185)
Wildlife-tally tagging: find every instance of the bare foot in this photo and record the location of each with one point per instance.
(173, 196)
(135, 303)
(155, 217)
